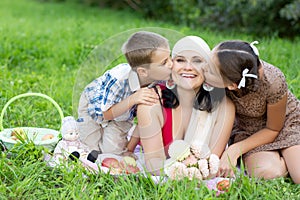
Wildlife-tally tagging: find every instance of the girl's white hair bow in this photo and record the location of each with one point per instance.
(243, 80)
(253, 47)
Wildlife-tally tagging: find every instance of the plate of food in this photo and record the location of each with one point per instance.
(114, 164)
(117, 165)
(40, 136)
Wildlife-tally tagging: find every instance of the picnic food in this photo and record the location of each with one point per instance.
(129, 160)
(129, 169)
(126, 165)
(223, 185)
(47, 137)
(110, 163)
(18, 133)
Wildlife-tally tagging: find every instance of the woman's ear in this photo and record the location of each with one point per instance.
(142, 72)
(233, 86)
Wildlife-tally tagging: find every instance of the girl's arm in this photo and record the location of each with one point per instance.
(275, 121)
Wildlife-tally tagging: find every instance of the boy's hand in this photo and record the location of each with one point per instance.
(146, 96)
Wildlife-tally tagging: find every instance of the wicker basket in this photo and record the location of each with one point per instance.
(33, 133)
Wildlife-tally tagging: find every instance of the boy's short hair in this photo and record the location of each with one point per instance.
(139, 47)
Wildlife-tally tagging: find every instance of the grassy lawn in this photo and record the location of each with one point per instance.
(45, 47)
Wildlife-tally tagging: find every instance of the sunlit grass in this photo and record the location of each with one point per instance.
(42, 47)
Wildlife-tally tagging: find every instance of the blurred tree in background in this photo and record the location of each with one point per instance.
(258, 17)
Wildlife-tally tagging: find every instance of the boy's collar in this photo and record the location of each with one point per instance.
(134, 82)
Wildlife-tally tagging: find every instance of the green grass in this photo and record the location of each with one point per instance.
(44, 45)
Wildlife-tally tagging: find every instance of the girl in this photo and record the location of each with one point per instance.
(267, 126)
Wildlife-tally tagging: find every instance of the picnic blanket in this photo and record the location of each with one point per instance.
(212, 184)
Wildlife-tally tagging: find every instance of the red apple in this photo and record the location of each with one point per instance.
(223, 185)
(110, 163)
(47, 137)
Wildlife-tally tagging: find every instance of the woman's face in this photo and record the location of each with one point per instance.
(187, 70)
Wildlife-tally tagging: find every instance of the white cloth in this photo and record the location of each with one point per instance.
(201, 126)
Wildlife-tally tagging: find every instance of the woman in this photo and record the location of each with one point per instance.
(184, 105)
(267, 127)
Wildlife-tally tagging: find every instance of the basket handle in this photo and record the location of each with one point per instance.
(27, 95)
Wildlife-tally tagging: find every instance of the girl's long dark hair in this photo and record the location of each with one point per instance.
(234, 56)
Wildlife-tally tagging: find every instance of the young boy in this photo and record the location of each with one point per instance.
(107, 105)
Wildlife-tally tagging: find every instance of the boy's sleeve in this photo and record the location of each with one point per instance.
(102, 94)
(113, 94)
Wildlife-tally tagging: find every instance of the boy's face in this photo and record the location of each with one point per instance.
(161, 65)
